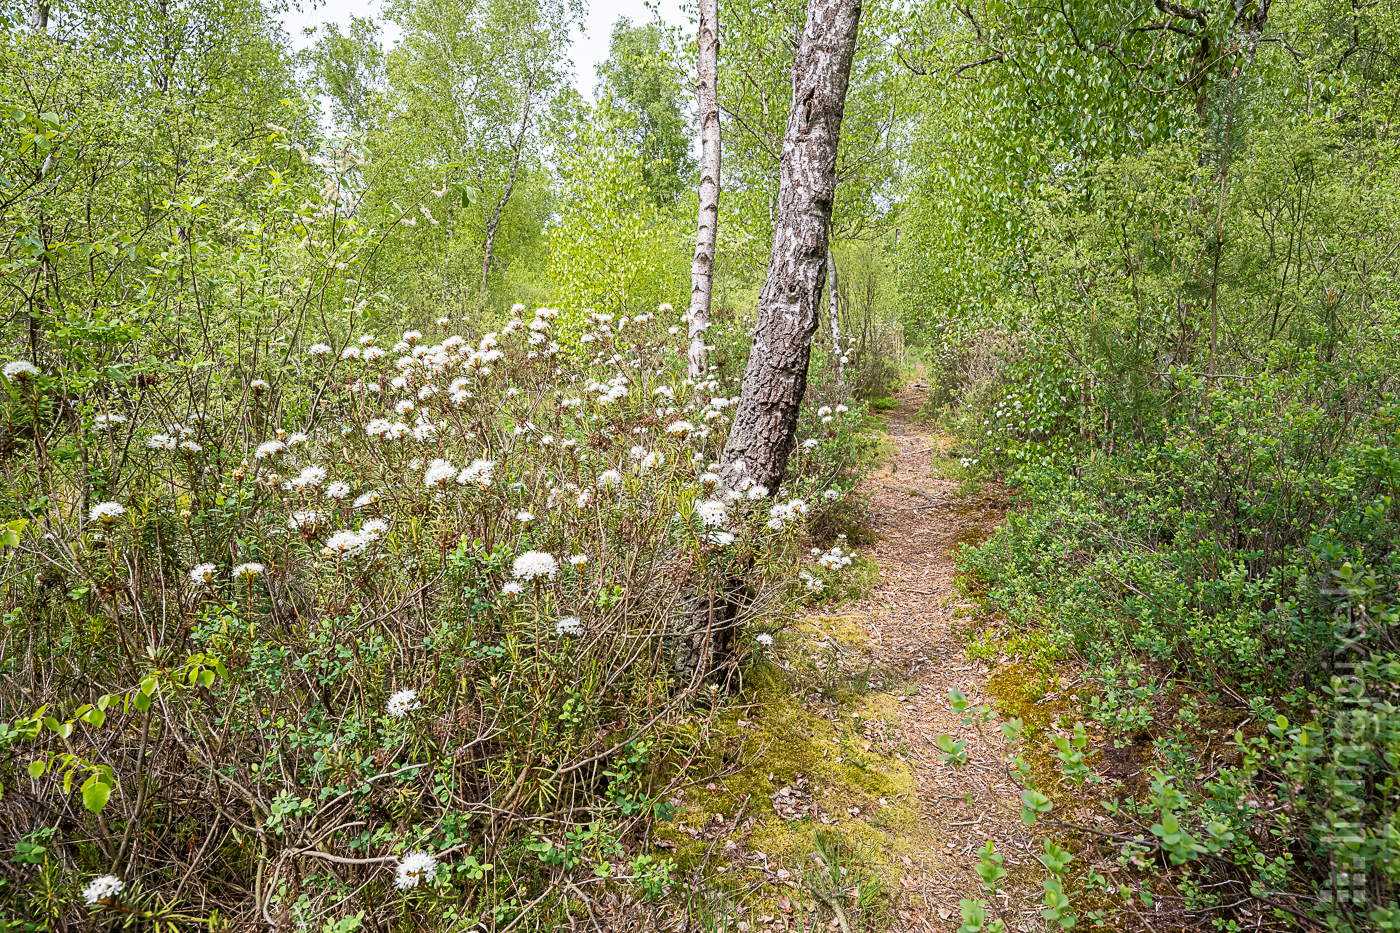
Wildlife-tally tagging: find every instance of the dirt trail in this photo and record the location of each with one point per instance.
(909, 619)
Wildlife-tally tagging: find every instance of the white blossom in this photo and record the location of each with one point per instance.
(534, 564)
(305, 520)
(203, 574)
(478, 473)
(440, 473)
(102, 889)
(106, 512)
(403, 703)
(712, 513)
(344, 543)
(18, 371)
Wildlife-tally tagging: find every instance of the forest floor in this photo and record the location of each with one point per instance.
(842, 744)
(921, 516)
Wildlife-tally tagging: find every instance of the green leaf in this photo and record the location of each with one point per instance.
(1034, 803)
(37, 768)
(95, 794)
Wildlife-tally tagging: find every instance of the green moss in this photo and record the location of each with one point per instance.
(783, 740)
(846, 629)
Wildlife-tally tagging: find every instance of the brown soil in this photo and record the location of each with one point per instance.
(910, 620)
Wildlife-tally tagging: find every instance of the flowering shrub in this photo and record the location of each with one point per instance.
(397, 623)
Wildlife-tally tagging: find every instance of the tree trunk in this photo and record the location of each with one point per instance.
(702, 267)
(835, 313)
(39, 16)
(492, 217)
(765, 420)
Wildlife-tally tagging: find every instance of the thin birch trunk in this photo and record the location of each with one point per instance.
(765, 420)
(835, 312)
(702, 267)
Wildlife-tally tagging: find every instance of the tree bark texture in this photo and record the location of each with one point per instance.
(765, 420)
(702, 267)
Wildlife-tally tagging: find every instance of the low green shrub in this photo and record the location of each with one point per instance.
(1232, 585)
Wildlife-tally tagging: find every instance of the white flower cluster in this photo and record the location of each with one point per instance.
(415, 868)
(102, 889)
(534, 565)
(106, 512)
(20, 370)
(402, 703)
(779, 515)
(835, 559)
(826, 413)
(712, 513)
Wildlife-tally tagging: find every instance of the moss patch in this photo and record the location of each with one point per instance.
(856, 784)
(846, 629)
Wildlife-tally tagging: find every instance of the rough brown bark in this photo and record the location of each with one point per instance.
(702, 267)
(765, 420)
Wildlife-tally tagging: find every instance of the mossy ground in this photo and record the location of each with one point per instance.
(861, 787)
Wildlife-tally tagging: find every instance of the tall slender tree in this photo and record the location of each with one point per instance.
(467, 85)
(834, 313)
(702, 267)
(765, 421)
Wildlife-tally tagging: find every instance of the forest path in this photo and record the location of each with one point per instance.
(909, 620)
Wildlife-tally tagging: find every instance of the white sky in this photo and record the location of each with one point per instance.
(590, 45)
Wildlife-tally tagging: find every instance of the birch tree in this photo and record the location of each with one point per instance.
(775, 380)
(472, 80)
(702, 267)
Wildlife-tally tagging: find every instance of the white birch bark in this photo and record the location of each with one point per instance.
(702, 267)
(765, 420)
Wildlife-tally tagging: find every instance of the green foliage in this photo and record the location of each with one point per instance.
(1253, 541)
(612, 249)
(267, 656)
(350, 69)
(638, 79)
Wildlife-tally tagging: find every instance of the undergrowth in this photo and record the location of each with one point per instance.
(1227, 586)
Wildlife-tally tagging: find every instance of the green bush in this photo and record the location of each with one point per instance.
(1245, 558)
